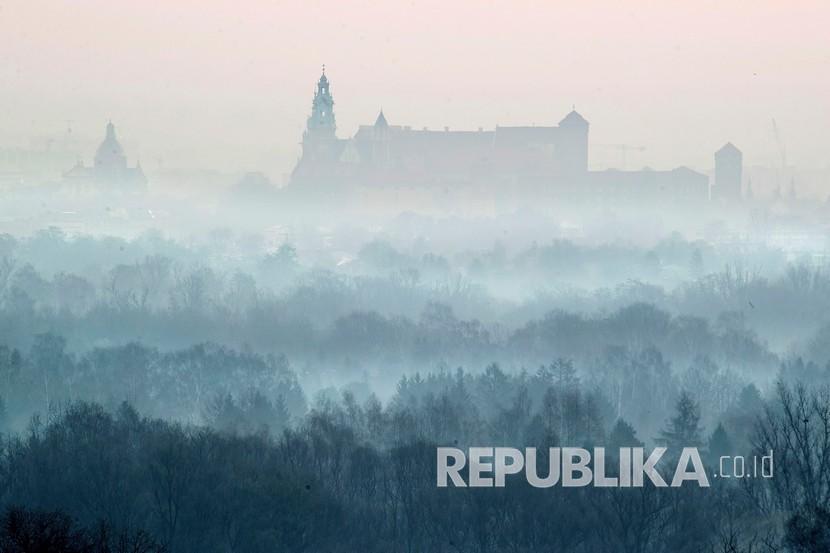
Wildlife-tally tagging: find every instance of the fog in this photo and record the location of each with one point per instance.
(244, 296)
(335, 341)
(357, 296)
(226, 86)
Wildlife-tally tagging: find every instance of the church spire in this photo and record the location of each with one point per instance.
(321, 121)
(380, 122)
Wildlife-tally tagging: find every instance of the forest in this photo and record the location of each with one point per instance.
(161, 394)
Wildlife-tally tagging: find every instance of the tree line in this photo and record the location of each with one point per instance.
(361, 476)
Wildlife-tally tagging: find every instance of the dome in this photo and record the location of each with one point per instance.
(110, 153)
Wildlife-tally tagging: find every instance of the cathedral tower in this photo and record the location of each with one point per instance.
(319, 140)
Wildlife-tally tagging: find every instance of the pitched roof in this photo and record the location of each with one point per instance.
(381, 121)
(728, 148)
(573, 119)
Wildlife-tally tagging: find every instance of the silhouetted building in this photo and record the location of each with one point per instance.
(728, 173)
(109, 169)
(526, 157)
(676, 185)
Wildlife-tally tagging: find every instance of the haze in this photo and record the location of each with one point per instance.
(228, 85)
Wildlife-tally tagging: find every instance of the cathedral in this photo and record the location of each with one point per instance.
(550, 159)
(109, 170)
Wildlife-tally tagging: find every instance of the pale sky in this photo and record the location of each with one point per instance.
(228, 85)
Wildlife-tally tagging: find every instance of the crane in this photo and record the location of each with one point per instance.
(780, 143)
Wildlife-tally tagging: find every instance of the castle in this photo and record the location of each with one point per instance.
(527, 158)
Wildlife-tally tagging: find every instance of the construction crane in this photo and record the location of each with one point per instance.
(779, 174)
(623, 149)
(780, 143)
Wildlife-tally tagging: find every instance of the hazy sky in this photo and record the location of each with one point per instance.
(227, 85)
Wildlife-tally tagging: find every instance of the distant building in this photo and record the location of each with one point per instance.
(109, 169)
(681, 185)
(728, 173)
(529, 157)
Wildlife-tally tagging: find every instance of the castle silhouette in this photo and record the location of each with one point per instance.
(525, 157)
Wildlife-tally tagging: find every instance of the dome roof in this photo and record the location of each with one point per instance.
(110, 151)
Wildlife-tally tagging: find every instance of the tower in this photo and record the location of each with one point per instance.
(572, 144)
(321, 119)
(380, 141)
(319, 140)
(728, 173)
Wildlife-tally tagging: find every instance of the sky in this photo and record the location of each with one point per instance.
(227, 85)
